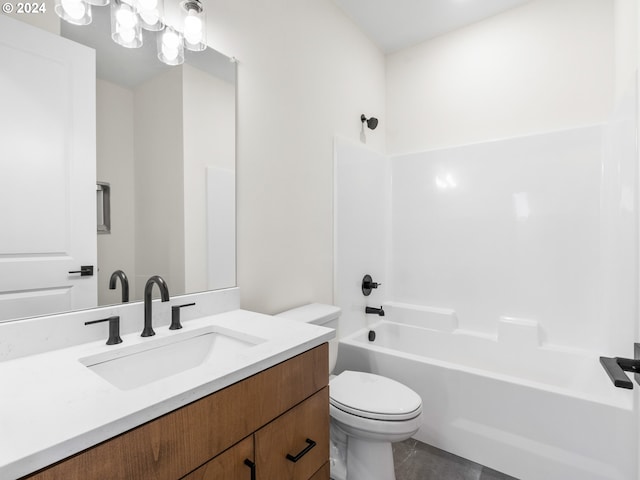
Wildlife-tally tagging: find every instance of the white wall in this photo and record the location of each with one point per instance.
(209, 140)
(362, 230)
(305, 73)
(47, 20)
(626, 45)
(159, 181)
(544, 66)
(115, 165)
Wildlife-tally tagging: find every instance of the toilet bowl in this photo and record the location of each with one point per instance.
(368, 412)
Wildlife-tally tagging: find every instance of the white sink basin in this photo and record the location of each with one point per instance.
(138, 365)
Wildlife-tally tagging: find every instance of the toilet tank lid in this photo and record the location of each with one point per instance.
(317, 313)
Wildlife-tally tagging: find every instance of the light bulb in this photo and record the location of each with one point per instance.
(193, 24)
(169, 52)
(170, 42)
(193, 29)
(125, 24)
(171, 47)
(150, 17)
(170, 39)
(127, 34)
(76, 9)
(126, 18)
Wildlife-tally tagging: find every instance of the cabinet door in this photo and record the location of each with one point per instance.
(323, 473)
(237, 463)
(295, 445)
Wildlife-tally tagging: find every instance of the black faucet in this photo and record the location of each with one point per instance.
(164, 295)
(375, 311)
(123, 280)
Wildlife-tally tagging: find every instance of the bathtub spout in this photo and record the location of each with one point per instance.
(375, 311)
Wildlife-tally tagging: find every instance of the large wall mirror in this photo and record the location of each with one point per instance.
(165, 168)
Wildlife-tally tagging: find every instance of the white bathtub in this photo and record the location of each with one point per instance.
(531, 412)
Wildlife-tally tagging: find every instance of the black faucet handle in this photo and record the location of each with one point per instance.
(114, 329)
(368, 284)
(175, 315)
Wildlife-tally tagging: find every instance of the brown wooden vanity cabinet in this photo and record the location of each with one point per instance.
(276, 420)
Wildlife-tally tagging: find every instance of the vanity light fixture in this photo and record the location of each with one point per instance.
(151, 13)
(126, 29)
(193, 25)
(76, 12)
(130, 17)
(171, 46)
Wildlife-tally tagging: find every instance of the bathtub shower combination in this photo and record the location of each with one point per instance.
(507, 270)
(534, 413)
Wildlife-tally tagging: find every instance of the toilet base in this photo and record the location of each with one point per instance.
(354, 458)
(367, 460)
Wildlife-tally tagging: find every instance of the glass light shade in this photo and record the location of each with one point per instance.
(77, 12)
(125, 24)
(151, 13)
(170, 47)
(194, 26)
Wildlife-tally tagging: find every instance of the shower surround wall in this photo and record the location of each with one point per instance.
(531, 236)
(504, 229)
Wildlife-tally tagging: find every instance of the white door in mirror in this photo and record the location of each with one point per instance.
(47, 172)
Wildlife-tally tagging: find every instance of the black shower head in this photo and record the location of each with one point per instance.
(372, 122)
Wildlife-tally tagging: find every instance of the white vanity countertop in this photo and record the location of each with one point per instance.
(52, 406)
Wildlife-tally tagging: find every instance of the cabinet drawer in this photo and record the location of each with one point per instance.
(229, 465)
(296, 444)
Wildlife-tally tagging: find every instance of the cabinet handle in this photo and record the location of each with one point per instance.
(252, 466)
(310, 445)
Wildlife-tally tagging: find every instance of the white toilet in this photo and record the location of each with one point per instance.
(368, 412)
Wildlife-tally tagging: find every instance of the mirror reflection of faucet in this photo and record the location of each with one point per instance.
(119, 274)
(164, 295)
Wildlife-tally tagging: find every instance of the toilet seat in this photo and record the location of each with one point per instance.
(374, 397)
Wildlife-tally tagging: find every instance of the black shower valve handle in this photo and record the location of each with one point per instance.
(368, 284)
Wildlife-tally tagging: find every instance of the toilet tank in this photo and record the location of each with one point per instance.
(318, 314)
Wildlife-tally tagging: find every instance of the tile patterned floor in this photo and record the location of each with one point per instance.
(414, 460)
